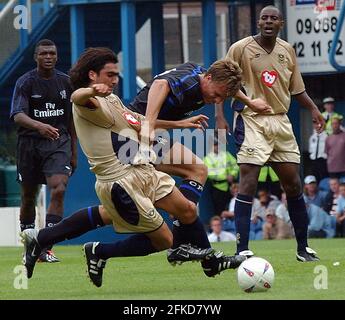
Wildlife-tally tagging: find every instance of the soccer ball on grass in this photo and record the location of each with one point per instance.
(255, 274)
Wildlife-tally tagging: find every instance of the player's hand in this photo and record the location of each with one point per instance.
(260, 106)
(318, 118)
(101, 90)
(49, 132)
(197, 122)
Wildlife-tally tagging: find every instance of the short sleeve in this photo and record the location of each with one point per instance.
(235, 53)
(296, 83)
(102, 116)
(20, 99)
(183, 80)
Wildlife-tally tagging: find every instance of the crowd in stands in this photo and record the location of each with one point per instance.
(324, 191)
(270, 218)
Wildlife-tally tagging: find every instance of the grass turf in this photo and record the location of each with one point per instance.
(151, 277)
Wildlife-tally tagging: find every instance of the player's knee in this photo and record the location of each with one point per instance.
(58, 192)
(199, 172)
(189, 214)
(203, 171)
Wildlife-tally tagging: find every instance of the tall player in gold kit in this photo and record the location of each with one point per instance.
(270, 72)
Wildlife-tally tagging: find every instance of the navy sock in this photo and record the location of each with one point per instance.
(191, 189)
(243, 211)
(51, 220)
(71, 227)
(136, 245)
(27, 225)
(193, 233)
(179, 237)
(299, 218)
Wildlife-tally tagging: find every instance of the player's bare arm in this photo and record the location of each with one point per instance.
(44, 129)
(156, 97)
(304, 100)
(257, 105)
(85, 96)
(196, 122)
(221, 122)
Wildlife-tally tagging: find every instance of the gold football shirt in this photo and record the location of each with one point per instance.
(273, 76)
(108, 136)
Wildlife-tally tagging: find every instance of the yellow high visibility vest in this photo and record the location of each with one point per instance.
(267, 171)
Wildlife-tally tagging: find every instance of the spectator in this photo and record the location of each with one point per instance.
(335, 149)
(282, 211)
(276, 228)
(222, 172)
(320, 223)
(340, 216)
(311, 192)
(331, 199)
(266, 201)
(228, 216)
(328, 114)
(317, 154)
(218, 234)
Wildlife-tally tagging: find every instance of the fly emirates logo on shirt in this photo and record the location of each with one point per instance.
(49, 112)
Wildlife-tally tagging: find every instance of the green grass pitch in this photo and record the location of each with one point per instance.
(151, 277)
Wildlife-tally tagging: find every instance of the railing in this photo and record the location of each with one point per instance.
(335, 42)
(9, 36)
(17, 20)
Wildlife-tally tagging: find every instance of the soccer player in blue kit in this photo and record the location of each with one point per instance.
(47, 147)
(174, 95)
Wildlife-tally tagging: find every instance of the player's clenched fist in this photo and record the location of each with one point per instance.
(101, 90)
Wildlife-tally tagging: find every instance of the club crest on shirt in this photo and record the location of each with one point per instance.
(63, 94)
(281, 58)
(130, 118)
(250, 151)
(151, 213)
(269, 77)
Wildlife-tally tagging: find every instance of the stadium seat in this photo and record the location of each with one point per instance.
(324, 184)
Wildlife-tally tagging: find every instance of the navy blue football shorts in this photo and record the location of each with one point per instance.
(38, 158)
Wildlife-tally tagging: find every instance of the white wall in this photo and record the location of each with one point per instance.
(9, 227)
